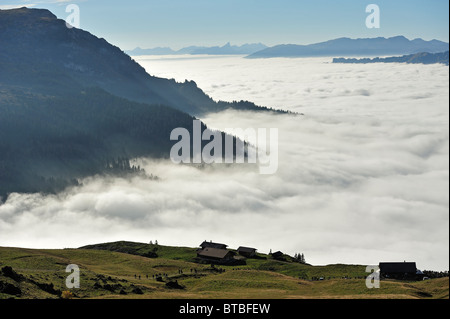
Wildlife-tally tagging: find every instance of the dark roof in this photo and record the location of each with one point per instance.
(210, 244)
(246, 249)
(214, 253)
(277, 254)
(398, 268)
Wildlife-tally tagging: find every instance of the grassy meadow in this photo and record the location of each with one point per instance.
(107, 274)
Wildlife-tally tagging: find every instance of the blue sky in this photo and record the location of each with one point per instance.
(179, 23)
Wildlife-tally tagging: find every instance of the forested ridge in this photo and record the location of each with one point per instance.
(47, 142)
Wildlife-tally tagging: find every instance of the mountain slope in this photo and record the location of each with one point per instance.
(48, 142)
(37, 50)
(355, 47)
(419, 58)
(72, 106)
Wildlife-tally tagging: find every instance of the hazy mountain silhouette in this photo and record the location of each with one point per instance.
(418, 58)
(354, 47)
(227, 49)
(154, 51)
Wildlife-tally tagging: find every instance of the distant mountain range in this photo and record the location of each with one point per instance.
(354, 47)
(338, 47)
(72, 105)
(419, 58)
(227, 49)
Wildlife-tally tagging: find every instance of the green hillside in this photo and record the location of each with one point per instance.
(111, 274)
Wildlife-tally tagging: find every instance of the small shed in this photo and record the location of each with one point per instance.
(247, 252)
(398, 270)
(278, 255)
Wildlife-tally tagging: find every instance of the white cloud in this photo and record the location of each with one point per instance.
(15, 6)
(363, 176)
(21, 4)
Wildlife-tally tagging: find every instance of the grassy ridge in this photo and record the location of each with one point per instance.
(110, 274)
(264, 263)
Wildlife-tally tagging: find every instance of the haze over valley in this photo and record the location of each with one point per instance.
(355, 165)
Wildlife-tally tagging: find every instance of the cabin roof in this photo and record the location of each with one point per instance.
(212, 244)
(246, 249)
(214, 253)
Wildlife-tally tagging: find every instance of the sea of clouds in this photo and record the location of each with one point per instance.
(363, 174)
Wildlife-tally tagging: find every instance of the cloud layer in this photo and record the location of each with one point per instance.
(363, 175)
